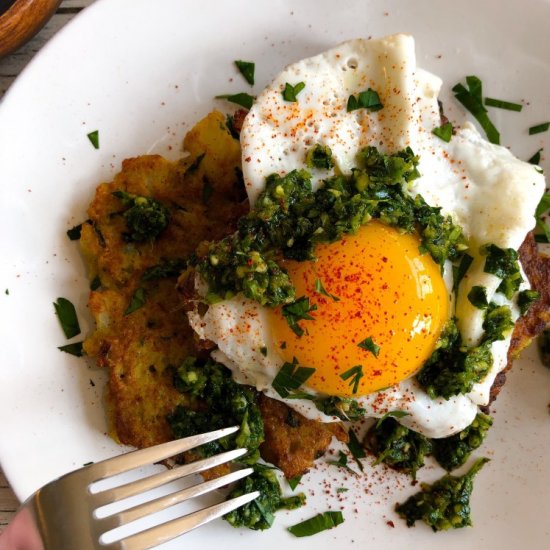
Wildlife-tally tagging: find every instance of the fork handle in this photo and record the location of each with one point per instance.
(21, 533)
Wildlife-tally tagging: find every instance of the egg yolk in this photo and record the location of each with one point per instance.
(381, 288)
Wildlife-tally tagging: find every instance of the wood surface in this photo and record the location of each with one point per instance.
(10, 67)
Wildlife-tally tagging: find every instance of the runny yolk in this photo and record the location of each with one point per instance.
(382, 289)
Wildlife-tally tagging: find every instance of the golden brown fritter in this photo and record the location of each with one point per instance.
(203, 197)
(293, 442)
(537, 269)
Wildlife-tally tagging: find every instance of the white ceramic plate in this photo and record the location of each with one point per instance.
(145, 74)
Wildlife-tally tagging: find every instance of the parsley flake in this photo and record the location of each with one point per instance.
(444, 132)
(535, 159)
(526, 298)
(73, 349)
(207, 190)
(356, 449)
(193, 167)
(94, 138)
(137, 301)
(319, 156)
(460, 270)
(354, 375)
(471, 99)
(298, 311)
(392, 414)
(290, 92)
(503, 263)
(95, 283)
(320, 289)
(316, 524)
(368, 99)
(293, 482)
(478, 297)
(342, 462)
(66, 314)
(243, 99)
(542, 226)
(500, 104)
(370, 345)
(290, 377)
(246, 68)
(539, 128)
(74, 232)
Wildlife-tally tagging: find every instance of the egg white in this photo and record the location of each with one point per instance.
(491, 194)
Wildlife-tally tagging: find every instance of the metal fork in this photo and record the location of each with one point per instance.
(62, 514)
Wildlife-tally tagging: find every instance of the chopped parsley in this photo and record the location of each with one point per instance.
(526, 298)
(146, 218)
(535, 159)
(354, 374)
(501, 104)
(293, 482)
(368, 99)
(291, 92)
(194, 166)
(163, 270)
(345, 408)
(544, 347)
(243, 99)
(74, 232)
(207, 190)
(137, 301)
(453, 451)
(397, 446)
(319, 156)
(392, 414)
(452, 368)
(539, 128)
(66, 313)
(370, 345)
(342, 462)
(95, 283)
(471, 99)
(320, 289)
(246, 68)
(443, 505)
(316, 524)
(503, 263)
(444, 132)
(73, 349)
(94, 138)
(542, 227)
(356, 449)
(298, 311)
(290, 377)
(478, 297)
(460, 270)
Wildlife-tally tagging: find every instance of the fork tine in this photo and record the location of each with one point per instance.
(158, 504)
(171, 529)
(135, 459)
(114, 494)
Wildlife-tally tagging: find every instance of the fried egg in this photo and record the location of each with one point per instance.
(376, 283)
